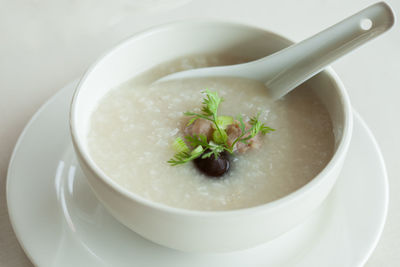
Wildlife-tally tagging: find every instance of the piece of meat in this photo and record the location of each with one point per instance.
(233, 131)
(200, 126)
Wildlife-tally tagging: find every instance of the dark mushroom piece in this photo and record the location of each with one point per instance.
(212, 167)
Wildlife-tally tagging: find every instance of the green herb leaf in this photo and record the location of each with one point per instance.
(201, 140)
(224, 121)
(179, 145)
(211, 103)
(265, 129)
(183, 157)
(196, 116)
(258, 126)
(191, 121)
(197, 140)
(220, 137)
(242, 126)
(197, 150)
(216, 149)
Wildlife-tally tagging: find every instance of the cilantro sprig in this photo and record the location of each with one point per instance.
(185, 156)
(247, 134)
(210, 112)
(202, 148)
(219, 143)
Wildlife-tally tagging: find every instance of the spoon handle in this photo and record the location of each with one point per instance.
(288, 68)
(284, 70)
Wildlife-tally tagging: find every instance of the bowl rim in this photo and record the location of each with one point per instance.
(269, 206)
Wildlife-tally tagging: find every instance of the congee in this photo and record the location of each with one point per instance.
(209, 143)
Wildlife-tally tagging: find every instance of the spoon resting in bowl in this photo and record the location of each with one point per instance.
(284, 70)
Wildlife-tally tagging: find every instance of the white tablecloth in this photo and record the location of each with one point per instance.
(46, 44)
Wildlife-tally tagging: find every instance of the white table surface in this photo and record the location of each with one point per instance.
(45, 44)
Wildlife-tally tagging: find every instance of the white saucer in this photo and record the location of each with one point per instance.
(59, 222)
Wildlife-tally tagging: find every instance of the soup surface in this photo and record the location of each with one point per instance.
(134, 125)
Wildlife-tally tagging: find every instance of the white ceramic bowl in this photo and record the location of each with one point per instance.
(189, 230)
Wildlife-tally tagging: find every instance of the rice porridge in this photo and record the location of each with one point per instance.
(134, 125)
